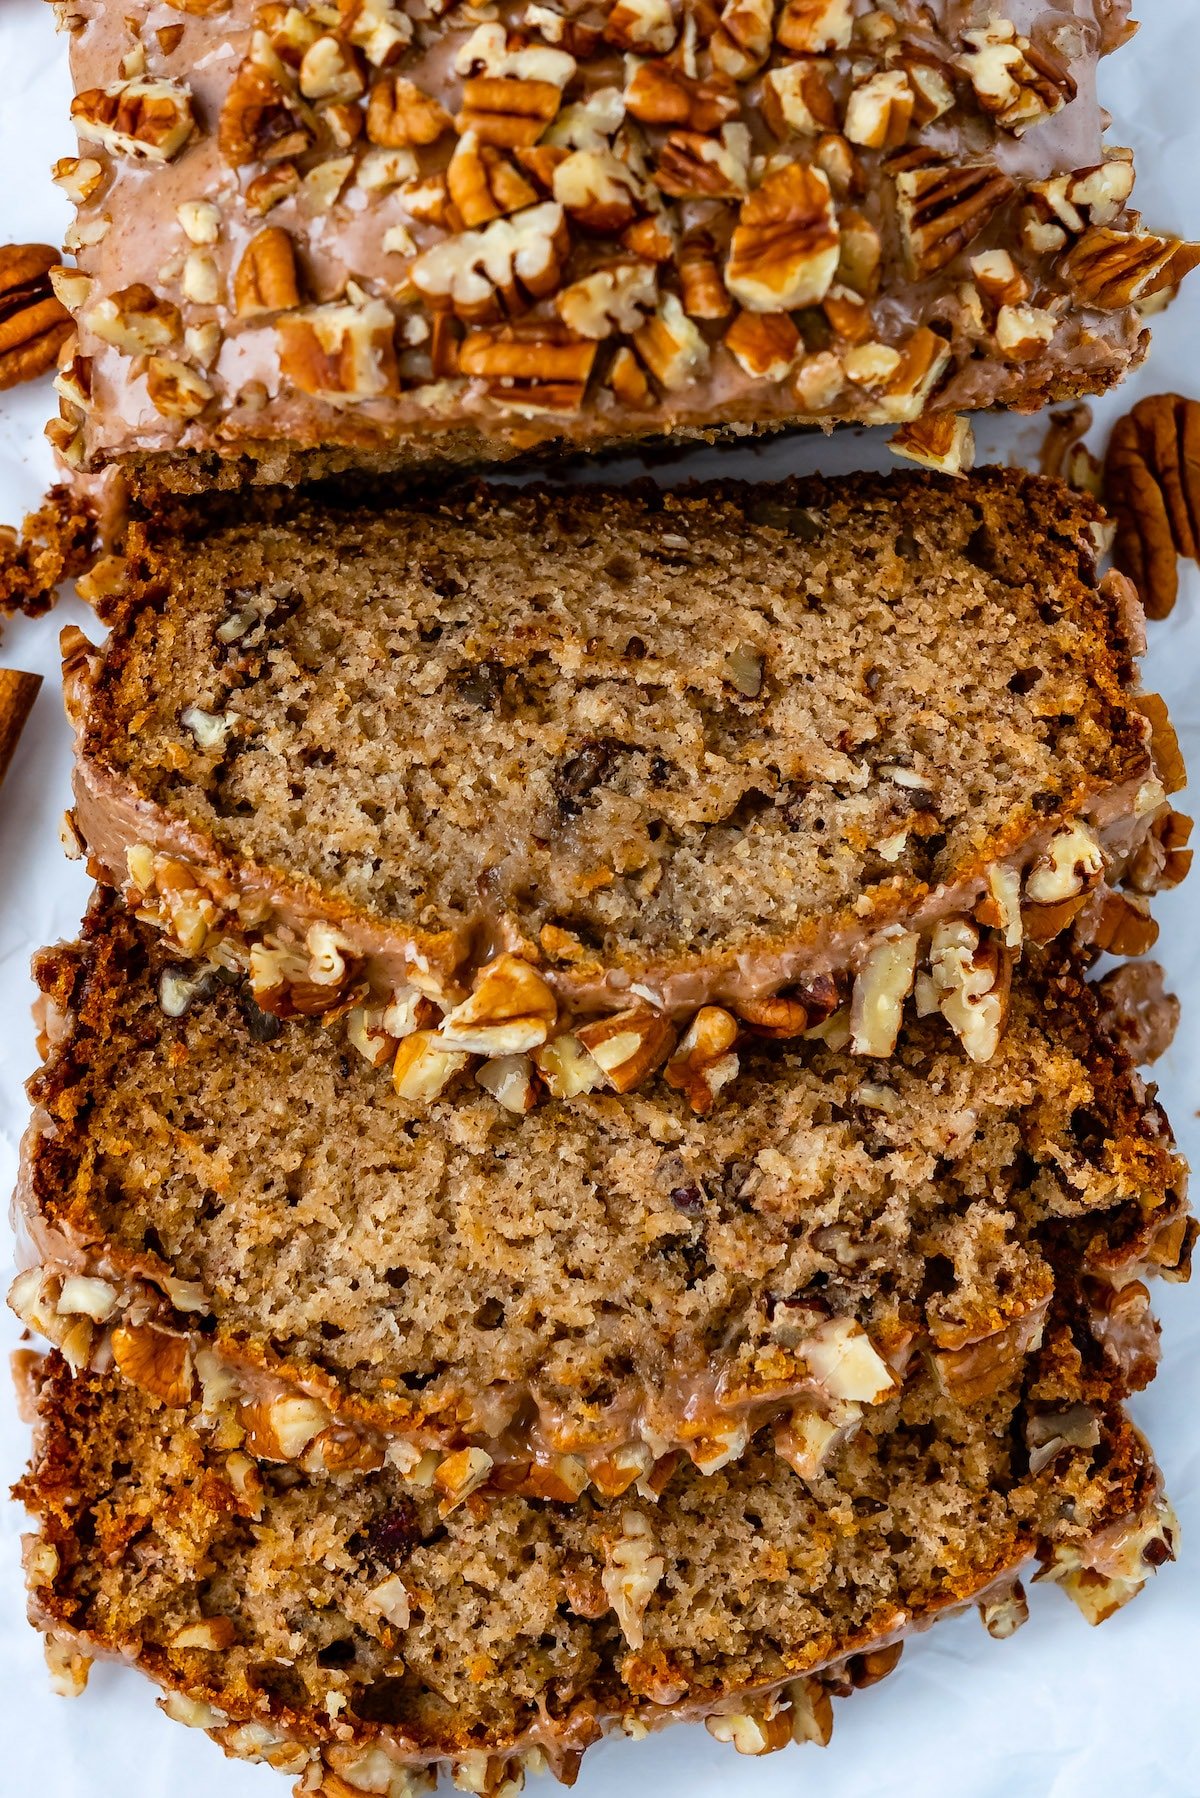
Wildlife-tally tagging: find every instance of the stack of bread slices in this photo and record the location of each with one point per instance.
(577, 1179)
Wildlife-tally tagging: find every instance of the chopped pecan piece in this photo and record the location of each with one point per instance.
(1110, 269)
(261, 121)
(399, 113)
(330, 70)
(880, 989)
(482, 275)
(642, 25)
(265, 280)
(512, 114)
(80, 177)
(627, 379)
(705, 1060)
(704, 294)
(176, 389)
(765, 344)
(999, 279)
(879, 111)
(1013, 79)
(34, 322)
(511, 1008)
(942, 210)
(796, 98)
(609, 299)
(628, 1045)
(540, 373)
(484, 183)
(940, 440)
(694, 166)
(813, 26)
(785, 247)
(659, 93)
(135, 321)
(598, 190)
(671, 346)
(968, 982)
(342, 350)
(150, 121)
(741, 43)
(155, 1361)
(277, 183)
(379, 28)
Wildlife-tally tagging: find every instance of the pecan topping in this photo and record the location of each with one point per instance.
(880, 111)
(662, 94)
(692, 166)
(150, 121)
(765, 344)
(797, 100)
(815, 25)
(741, 43)
(940, 440)
(642, 25)
(510, 113)
(1110, 269)
(671, 346)
(135, 320)
(481, 275)
(598, 190)
(260, 121)
(484, 183)
(345, 349)
(265, 280)
(785, 246)
(1152, 488)
(176, 389)
(1014, 80)
(704, 294)
(539, 373)
(942, 210)
(34, 323)
(398, 113)
(611, 299)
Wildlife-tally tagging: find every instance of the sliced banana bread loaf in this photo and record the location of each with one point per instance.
(506, 763)
(231, 1207)
(354, 1628)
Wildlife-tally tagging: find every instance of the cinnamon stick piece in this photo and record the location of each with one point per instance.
(17, 694)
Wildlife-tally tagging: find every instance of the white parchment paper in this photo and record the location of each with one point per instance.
(1061, 1711)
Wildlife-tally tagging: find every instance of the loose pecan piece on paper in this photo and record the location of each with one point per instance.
(34, 325)
(1152, 489)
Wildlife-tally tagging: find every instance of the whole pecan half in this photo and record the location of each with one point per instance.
(34, 325)
(1152, 489)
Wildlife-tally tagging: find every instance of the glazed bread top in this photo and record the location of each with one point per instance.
(326, 236)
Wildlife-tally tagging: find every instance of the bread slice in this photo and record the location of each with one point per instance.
(240, 1210)
(353, 1628)
(310, 241)
(668, 750)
